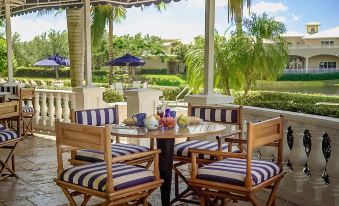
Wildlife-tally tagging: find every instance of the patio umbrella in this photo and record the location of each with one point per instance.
(127, 60)
(54, 61)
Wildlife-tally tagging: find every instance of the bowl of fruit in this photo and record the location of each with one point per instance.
(168, 122)
(183, 121)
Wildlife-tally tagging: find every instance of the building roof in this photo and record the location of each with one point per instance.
(19, 7)
(293, 34)
(330, 33)
(314, 23)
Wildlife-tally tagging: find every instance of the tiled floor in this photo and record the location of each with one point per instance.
(36, 167)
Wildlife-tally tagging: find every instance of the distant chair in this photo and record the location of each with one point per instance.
(136, 84)
(33, 82)
(26, 82)
(58, 83)
(145, 85)
(43, 83)
(119, 87)
(2, 80)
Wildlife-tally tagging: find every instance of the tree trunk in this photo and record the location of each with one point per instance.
(238, 20)
(75, 27)
(110, 50)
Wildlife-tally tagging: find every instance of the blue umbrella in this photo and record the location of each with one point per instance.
(54, 61)
(127, 60)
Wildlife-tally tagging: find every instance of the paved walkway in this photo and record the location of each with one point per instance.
(37, 166)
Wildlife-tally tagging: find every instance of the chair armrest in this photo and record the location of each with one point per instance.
(233, 140)
(69, 149)
(228, 135)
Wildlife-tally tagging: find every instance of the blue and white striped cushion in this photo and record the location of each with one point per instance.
(216, 115)
(27, 109)
(94, 176)
(96, 117)
(118, 150)
(181, 149)
(233, 171)
(6, 135)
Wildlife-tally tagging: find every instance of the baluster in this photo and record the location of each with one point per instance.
(51, 109)
(72, 100)
(44, 108)
(37, 107)
(298, 159)
(66, 110)
(331, 194)
(58, 108)
(316, 163)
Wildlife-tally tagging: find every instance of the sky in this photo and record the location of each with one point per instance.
(185, 19)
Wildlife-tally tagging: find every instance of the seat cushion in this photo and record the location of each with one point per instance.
(6, 135)
(181, 149)
(216, 114)
(118, 150)
(94, 176)
(233, 171)
(27, 109)
(97, 117)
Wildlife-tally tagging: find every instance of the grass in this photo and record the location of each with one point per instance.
(166, 79)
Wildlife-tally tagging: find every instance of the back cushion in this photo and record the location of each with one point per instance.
(216, 115)
(96, 117)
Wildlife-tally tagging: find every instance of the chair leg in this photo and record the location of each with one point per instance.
(145, 202)
(202, 201)
(68, 196)
(253, 200)
(9, 167)
(86, 199)
(271, 200)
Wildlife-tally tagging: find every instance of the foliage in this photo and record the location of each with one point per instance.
(111, 96)
(170, 93)
(309, 77)
(180, 50)
(41, 72)
(42, 46)
(235, 12)
(240, 60)
(153, 71)
(3, 57)
(165, 80)
(294, 102)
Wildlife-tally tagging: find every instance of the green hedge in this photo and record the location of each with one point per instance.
(309, 77)
(153, 71)
(294, 102)
(111, 96)
(41, 72)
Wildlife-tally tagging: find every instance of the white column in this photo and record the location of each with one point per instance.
(209, 46)
(306, 64)
(88, 48)
(37, 107)
(51, 109)
(44, 108)
(9, 43)
(66, 110)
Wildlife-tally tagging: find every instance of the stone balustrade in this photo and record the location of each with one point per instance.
(51, 105)
(311, 156)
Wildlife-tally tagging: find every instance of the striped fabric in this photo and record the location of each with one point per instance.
(216, 115)
(27, 109)
(118, 150)
(6, 135)
(233, 171)
(96, 117)
(94, 176)
(181, 149)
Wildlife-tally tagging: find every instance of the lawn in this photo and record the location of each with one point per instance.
(165, 79)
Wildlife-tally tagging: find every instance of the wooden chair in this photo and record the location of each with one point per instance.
(9, 139)
(100, 117)
(116, 183)
(238, 177)
(27, 112)
(221, 114)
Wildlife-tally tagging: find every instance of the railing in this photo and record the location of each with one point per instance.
(51, 105)
(188, 92)
(313, 46)
(311, 70)
(311, 151)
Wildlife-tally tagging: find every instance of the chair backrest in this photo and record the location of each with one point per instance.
(222, 114)
(145, 85)
(9, 109)
(84, 137)
(43, 83)
(265, 133)
(26, 93)
(136, 84)
(118, 85)
(96, 117)
(33, 83)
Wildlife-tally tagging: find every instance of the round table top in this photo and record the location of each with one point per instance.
(202, 129)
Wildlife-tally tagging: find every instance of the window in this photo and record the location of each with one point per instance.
(327, 43)
(328, 65)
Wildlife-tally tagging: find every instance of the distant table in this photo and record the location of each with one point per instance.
(3, 96)
(165, 141)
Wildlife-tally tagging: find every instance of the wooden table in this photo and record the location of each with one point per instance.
(165, 141)
(3, 96)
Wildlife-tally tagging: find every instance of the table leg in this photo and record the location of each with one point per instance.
(165, 167)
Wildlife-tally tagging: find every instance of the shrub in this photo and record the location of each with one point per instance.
(309, 77)
(41, 72)
(111, 96)
(294, 102)
(153, 71)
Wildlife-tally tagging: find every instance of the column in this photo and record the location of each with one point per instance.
(209, 46)
(306, 64)
(9, 42)
(88, 48)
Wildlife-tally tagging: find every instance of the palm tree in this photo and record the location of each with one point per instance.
(235, 12)
(101, 16)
